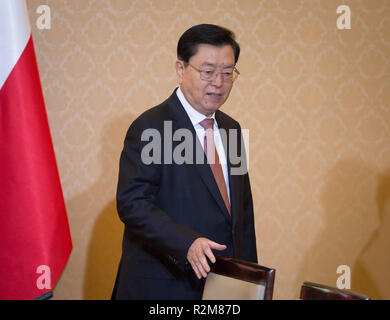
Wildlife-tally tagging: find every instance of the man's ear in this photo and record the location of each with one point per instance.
(179, 65)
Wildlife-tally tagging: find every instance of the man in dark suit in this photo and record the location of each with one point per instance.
(180, 206)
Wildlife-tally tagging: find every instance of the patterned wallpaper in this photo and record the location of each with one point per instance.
(316, 100)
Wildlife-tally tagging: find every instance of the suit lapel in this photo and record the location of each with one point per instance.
(182, 120)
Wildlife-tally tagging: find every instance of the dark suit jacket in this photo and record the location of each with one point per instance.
(165, 207)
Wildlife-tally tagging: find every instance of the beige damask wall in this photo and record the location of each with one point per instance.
(315, 99)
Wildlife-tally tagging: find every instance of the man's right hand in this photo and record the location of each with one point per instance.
(197, 253)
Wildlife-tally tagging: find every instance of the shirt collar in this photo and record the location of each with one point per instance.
(195, 115)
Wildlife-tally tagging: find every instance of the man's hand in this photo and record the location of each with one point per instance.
(197, 253)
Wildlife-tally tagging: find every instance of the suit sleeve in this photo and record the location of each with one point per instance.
(249, 241)
(138, 185)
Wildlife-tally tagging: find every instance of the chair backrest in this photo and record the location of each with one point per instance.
(316, 291)
(233, 279)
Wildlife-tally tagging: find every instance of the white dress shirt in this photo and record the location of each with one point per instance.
(196, 117)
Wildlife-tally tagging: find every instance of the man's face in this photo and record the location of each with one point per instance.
(206, 96)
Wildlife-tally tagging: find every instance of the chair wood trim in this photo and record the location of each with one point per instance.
(316, 291)
(247, 271)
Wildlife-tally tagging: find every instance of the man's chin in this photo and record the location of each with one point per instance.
(214, 106)
(211, 110)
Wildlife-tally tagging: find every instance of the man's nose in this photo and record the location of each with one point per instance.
(218, 80)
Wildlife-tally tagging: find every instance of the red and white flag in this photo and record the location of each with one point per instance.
(35, 241)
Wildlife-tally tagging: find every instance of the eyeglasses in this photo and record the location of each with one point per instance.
(210, 74)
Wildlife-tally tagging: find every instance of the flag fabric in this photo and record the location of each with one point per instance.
(35, 241)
